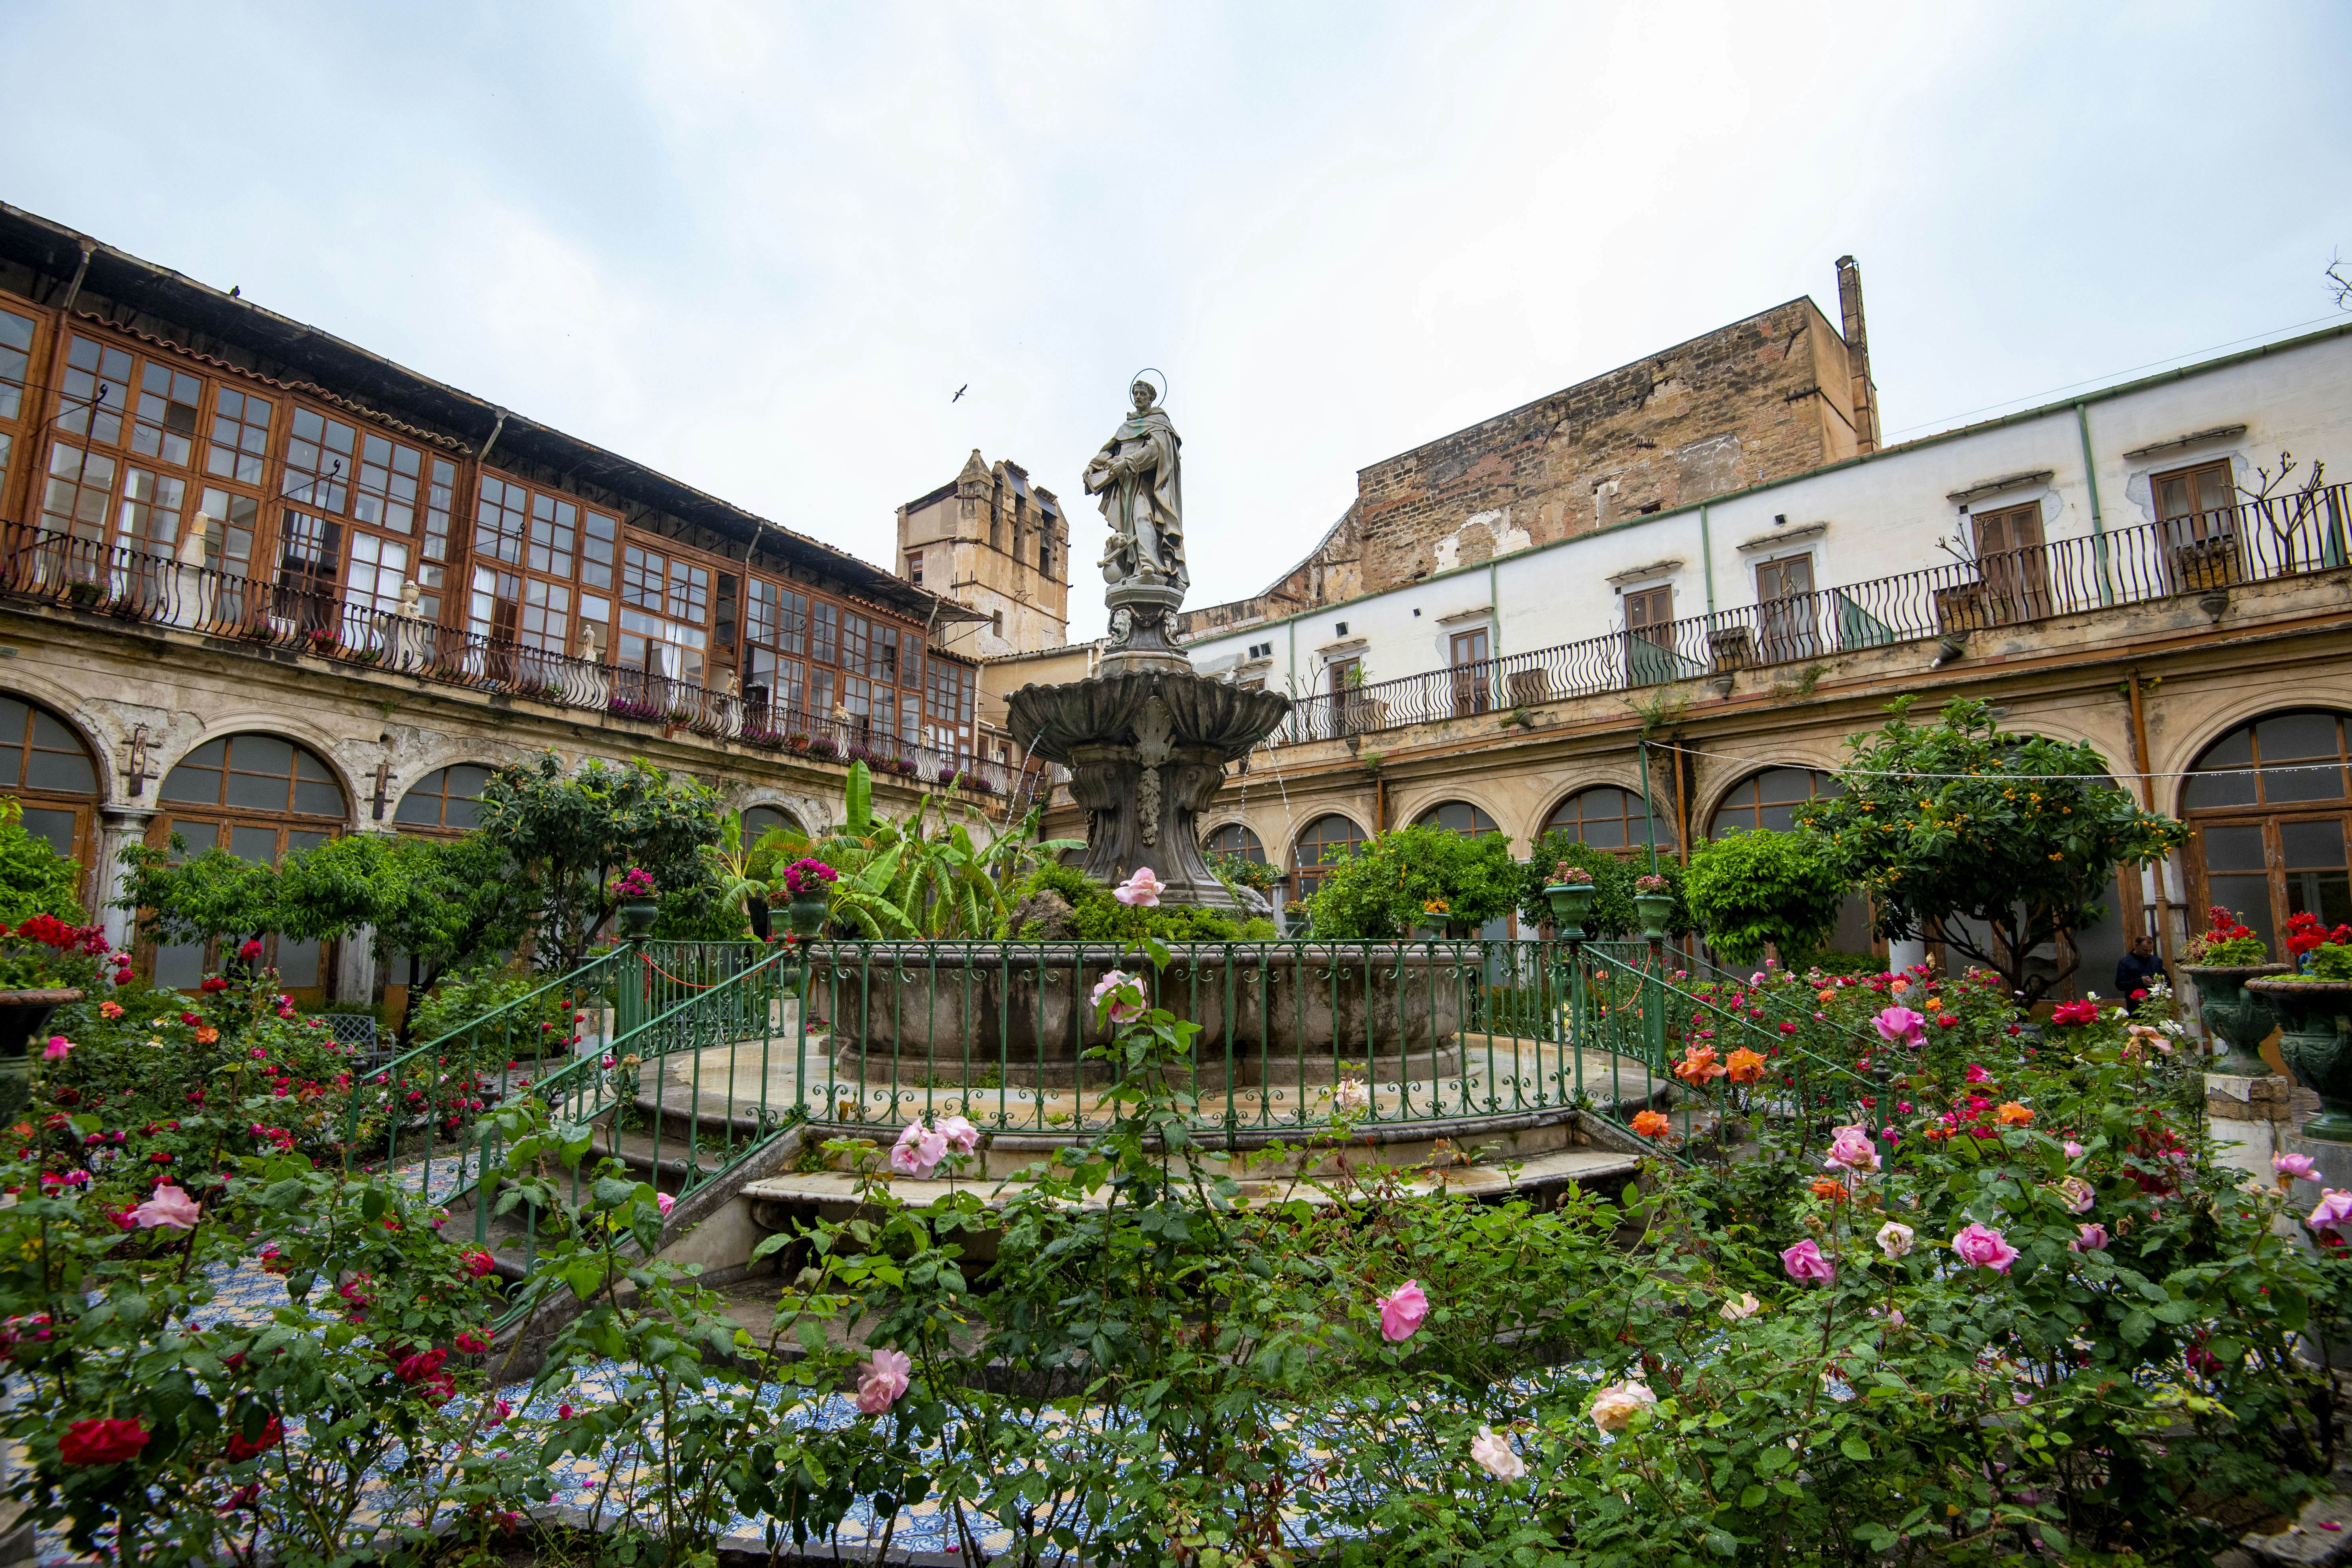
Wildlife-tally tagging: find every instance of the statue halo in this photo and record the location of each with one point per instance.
(1152, 370)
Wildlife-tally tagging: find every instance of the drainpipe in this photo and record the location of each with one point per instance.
(2098, 522)
(74, 289)
(1706, 555)
(2163, 869)
(1494, 602)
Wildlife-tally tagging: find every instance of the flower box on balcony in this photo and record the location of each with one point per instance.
(2207, 563)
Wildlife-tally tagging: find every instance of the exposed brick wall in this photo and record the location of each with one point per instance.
(1758, 400)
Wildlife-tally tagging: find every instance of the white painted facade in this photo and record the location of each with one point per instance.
(1889, 512)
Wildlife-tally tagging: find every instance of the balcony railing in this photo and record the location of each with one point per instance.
(2258, 541)
(135, 585)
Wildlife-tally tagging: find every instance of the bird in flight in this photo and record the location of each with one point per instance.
(960, 392)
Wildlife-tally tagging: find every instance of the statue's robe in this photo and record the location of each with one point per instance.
(1152, 513)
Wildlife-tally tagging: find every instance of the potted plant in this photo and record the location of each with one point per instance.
(44, 964)
(1653, 899)
(807, 883)
(2219, 961)
(634, 890)
(1434, 915)
(2313, 1008)
(1570, 893)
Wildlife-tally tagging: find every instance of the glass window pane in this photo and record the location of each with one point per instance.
(66, 772)
(2305, 845)
(257, 791)
(57, 826)
(262, 754)
(297, 963)
(298, 841)
(257, 845)
(2300, 784)
(2232, 848)
(2328, 894)
(317, 799)
(180, 966)
(2287, 737)
(191, 782)
(2208, 790)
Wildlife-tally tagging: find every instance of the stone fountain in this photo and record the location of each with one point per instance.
(1146, 739)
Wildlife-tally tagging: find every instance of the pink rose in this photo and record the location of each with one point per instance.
(1493, 1452)
(1984, 1248)
(169, 1207)
(666, 1203)
(1402, 1311)
(961, 1135)
(1143, 889)
(2073, 1149)
(1806, 1264)
(919, 1150)
(57, 1047)
(882, 1381)
(1619, 1403)
(2298, 1166)
(2334, 1208)
(1125, 994)
(1851, 1150)
(2077, 1194)
(2089, 1238)
(1900, 1026)
(1977, 1074)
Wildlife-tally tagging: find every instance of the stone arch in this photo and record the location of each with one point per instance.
(442, 800)
(2214, 720)
(106, 743)
(1587, 819)
(1320, 837)
(1234, 837)
(260, 796)
(48, 765)
(284, 726)
(2272, 843)
(1736, 796)
(1416, 805)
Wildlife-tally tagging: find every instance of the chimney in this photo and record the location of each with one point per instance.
(1864, 395)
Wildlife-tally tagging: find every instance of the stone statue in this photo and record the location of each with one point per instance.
(411, 605)
(589, 650)
(192, 547)
(1139, 476)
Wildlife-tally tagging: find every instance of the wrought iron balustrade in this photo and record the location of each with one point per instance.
(2256, 542)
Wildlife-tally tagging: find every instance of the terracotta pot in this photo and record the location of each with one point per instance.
(2241, 1020)
(2314, 1019)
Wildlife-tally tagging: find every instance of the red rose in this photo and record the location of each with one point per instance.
(2140, 995)
(422, 1366)
(214, 983)
(1946, 1021)
(102, 1442)
(239, 1449)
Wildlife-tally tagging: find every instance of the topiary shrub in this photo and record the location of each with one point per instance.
(1381, 890)
(1748, 890)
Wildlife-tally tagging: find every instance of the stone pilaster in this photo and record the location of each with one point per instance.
(120, 827)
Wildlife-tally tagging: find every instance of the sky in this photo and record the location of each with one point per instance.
(759, 246)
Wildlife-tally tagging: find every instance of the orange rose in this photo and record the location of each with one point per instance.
(1651, 1123)
(1698, 1065)
(2011, 1114)
(206, 1034)
(1745, 1065)
(1825, 995)
(1828, 1191)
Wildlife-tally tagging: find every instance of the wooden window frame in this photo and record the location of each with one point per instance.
(1636, 833)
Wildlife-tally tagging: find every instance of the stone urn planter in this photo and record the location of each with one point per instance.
(2315, 1021)
(1572, 906)
(637, 916)
(2242, 1021)
(23, 1015)
(1658, 912)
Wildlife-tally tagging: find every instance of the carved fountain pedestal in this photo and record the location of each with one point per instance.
(1147, 742)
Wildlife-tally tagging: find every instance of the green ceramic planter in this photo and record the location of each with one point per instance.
(2315, 1021)
(1658, 912)
(1572, 906)
(637, 916)
(2241, 1020)
(807, 912)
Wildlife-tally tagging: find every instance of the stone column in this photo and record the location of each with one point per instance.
(120, 827)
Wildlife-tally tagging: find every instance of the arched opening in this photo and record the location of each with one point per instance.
(44, 764)
(1608, 818)
(1770, 800)
(759, 821)
(2268, 806)
(1460, 817)
(446, 800)
(1235, 840)
(1324, 841)
(259, 797)
(1457, 816)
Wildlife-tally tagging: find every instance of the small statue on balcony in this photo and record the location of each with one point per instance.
(412, 601)
(1138, 474)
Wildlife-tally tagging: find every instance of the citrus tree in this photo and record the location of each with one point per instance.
(1999, 844)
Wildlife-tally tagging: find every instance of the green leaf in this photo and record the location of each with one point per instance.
(1854, 1448)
